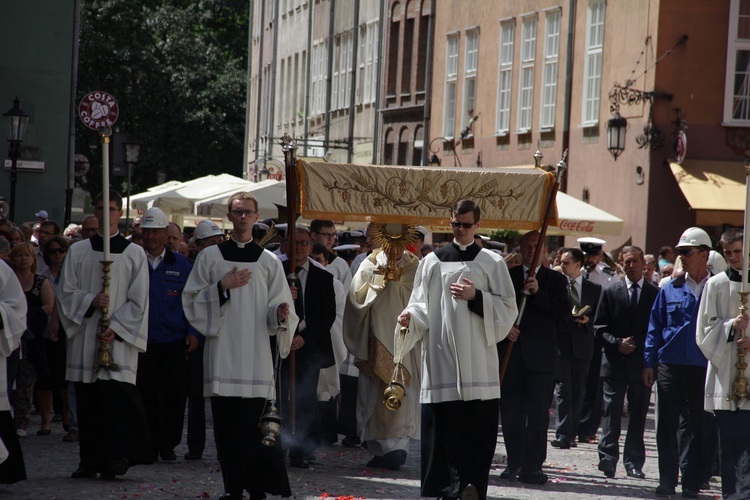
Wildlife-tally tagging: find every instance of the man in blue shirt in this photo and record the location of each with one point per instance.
(672, 351)
(162, 369)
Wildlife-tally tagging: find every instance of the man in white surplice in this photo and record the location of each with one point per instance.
(237, 296)
(462, 305)
(368, 325)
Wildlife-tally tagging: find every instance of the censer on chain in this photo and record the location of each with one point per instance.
(395, 391)
(270, 420)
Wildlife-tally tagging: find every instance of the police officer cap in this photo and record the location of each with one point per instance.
(260, 230)
(591, 246)
(421, 232)
(347, 237)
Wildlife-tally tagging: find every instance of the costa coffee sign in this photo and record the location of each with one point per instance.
(579, 226)
(98, 109)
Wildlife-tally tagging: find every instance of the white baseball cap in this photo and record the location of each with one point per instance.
(206, 229)
(43, 214)
(154, 218)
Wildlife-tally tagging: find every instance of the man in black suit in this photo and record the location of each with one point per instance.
(621, 323)
(575, 348)
(526, 391)
(315, 304)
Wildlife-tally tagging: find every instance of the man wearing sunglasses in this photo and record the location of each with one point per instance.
(673, 360)
(461, 306)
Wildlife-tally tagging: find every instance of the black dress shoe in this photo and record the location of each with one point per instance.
(168, 455)
(534, 477)
(299, 464)
(350, 442)
(82, 473)
(116, 468)
(376, 462)
(688, 493)
(561, 443)
(191, 455)
(510, 473)
(231, 496)
(470, 493)
(636, 473)
(607, 468)
(664, 491)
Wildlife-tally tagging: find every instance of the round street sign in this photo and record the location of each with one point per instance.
(98, 109)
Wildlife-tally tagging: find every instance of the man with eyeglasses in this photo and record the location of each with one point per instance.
(89, 226)
(315, 305)
(529, 381)
(45, 232)
(461, 306)
(674, 361)
(324, 232)
(237, 297)
(113, 431)
(719, 337)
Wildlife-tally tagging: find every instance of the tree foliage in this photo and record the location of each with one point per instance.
(178, 70)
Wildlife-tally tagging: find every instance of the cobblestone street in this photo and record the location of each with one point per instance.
(338, 472)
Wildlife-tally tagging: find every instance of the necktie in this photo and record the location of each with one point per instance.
(299, 303)
(633, 296)
(574, 299)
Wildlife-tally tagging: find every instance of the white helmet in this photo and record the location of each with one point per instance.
(206, 229)
(716, 263)
(154, 218)
(694, 237)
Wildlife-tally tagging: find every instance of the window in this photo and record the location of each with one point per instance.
(345, 81)
(505, 73)
(470, 76)
(592, 67)
(451, 72)
(368, 61)
(737, 91)
(526, 82)
(337, 52)
(549, 80)
(319, 70)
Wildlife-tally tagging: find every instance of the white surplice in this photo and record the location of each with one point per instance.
(237, 356)
(459, 347)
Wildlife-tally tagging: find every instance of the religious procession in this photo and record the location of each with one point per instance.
(299, 338)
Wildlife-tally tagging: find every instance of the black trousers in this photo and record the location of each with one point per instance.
(676, 385)
(734, 439)
(569, 395)
(347, 421)
(163, 386)
(458, 445)
(111, 425)
(196, 403)
(526, 397)
(591, 408)
(245, 463)
(634, 451)
(303, 439)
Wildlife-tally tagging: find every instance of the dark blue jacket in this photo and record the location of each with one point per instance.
(166, 318)
(671, 330)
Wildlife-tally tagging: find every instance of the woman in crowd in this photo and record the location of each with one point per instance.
(55, 343)
(33, 363)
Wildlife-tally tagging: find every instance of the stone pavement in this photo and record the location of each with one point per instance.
(339, 472)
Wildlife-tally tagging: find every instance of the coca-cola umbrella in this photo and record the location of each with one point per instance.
(578, 218)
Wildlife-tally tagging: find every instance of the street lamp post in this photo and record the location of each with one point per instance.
(16, 121)
(132, 151)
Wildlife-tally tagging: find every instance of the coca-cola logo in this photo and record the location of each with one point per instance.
(579, 226)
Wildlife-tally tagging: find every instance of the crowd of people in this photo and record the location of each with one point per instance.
(312, 325)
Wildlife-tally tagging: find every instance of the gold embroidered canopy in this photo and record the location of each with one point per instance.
(510, 198)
